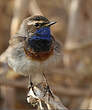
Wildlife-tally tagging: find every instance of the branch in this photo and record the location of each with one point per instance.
(41, 93)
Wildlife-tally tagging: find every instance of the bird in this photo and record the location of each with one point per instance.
(33, 49)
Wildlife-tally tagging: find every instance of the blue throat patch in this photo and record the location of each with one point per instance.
(42, 33)
(41, 40)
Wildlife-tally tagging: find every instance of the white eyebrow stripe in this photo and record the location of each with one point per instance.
(33, 22)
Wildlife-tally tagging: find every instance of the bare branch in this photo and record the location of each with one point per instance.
(41, 92)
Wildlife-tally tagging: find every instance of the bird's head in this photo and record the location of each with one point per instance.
(39, 40)
(36, 23)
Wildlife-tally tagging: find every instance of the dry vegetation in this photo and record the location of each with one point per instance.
(71, 80)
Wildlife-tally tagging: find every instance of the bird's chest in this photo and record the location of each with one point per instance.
(40, 57)
(39, 45)
(21, 63)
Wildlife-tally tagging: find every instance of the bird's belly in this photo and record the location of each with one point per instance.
(24, 65)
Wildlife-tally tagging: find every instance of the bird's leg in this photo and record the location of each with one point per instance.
(48, 88)
(29, 81)
(31, 85)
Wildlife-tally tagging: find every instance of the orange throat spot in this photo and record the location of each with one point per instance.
(38, 56)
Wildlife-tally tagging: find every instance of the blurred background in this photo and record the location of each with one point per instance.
(71, 80)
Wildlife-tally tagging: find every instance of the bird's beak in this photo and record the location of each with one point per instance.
(51, 23)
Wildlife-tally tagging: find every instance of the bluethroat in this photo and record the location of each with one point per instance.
(33, 48)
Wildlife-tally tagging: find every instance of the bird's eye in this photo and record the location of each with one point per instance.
(37, 24)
